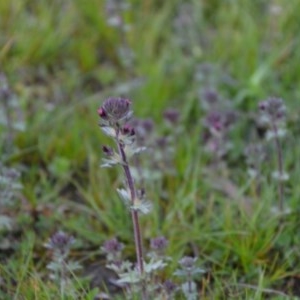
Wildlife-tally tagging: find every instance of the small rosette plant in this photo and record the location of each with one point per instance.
(61, 267)
(189, 270)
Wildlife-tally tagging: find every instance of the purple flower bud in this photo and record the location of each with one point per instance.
(272, 108)
(169, 287)
(230, 117)
(128, 130)
(215, 121)
(107, 150)
(102, 114)
(159, 243)
(171, 115)
(187, 262)
(10, 173)
(263, 105)
(60, 241)
(280, 114)
(148, 125)
(113, 246)
(210, 95)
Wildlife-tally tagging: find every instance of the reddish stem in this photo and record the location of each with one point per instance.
(280, 166)
(134, 213)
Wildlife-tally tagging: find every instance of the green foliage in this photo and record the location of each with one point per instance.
(62, 59)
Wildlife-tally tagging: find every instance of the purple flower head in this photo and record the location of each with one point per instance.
(187, 262)
(60, 241)
(215, 121)
(170, 287)
(9, 173)
(171, 115)
(273, 109)
(148, 125)
(219, 122)
(101, 112)
(159, 243)
(211, 96)
(115, 109)
(112, 246)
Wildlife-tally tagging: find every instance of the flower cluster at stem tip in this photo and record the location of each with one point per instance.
(115, 111)
(61, 242)
(273, 109)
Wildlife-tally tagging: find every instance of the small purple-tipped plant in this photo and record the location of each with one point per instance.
(115, 111)
(113, 247)
(115, 114)
(158, 247)
(10, 114)
(60, 244)
(113, 251)
(272, 113)
(189, 270)
(10, 187)
(159, 244)
(170, 288)
(218, 125)
(255, 156)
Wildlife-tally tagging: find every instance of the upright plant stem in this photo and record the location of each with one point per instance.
(280, 167)
(134, 213)
(62, 278)
(189, 283)
(135, 218)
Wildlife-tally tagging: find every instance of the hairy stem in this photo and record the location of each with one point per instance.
(280, 166)
(190, 282)
(62, 278)
(134, 213)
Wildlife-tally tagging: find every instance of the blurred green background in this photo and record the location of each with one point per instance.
(61, 59)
